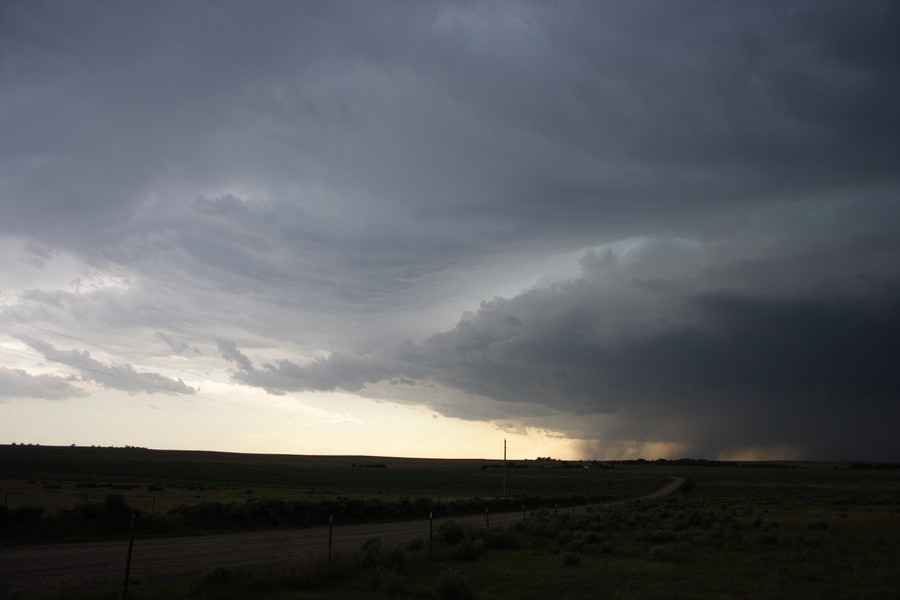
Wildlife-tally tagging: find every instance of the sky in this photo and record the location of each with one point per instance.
(596, 229)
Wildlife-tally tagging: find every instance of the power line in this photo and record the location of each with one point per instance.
(147, 383)
(143, 358)
(70, 337)
(144, 383)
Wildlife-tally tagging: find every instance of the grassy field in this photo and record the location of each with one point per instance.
(791, 530)
(157, 480)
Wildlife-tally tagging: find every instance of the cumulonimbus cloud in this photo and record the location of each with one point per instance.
(662, 335)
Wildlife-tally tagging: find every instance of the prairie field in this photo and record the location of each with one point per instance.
(734, 530)
(158, 480)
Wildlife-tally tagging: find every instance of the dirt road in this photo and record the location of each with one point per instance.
(31, 570)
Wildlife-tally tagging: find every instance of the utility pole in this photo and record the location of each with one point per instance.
(504, 467)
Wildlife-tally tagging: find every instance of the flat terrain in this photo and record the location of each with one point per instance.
(156, 480)
(735, 530)
(48, 568)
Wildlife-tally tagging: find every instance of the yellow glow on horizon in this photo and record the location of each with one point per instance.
(761, 453)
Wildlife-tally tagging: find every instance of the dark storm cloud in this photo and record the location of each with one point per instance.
(338, 371)
(666, 335)
(115, 376)
(504, 119)
(304, 177)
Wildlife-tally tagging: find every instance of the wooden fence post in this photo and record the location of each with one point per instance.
(330, 531)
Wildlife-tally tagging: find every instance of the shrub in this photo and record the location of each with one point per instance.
(820, 525)
(217, 577)
(378, 578)
(469, 550)
(506, 539)
(24, 514)
(451, 584)
(318, 569)
(115, 506)
(571, 559)
(415, 545)
(392, 585)
(597, 526)
(370, 553)
(450, 532)
(659, 554)
(661, 536)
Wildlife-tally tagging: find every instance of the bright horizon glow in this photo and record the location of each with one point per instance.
(248, 420)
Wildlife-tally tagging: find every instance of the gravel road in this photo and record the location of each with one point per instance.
(31, 570)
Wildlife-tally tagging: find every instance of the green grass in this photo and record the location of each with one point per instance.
(66, 493)
(156, 480)
(681, 548)
(806, 530)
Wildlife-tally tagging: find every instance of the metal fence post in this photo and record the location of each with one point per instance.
(330, 532)
(128, 562)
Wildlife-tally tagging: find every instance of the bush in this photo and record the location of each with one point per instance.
(24, 514)
(450, 532)
(451, 584)
(469, 550)
(820, 525)
(415, 545)
(318, 569)
(217, 577)
(393, 584)
(387, 581)
(115, 506)
(506, 539)
(370, 553)
(571, 559)
(659, 554)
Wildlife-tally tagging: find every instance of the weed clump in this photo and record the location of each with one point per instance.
(370, 553)
(389, 582)
(452, 584)
(817, 525)
(469, 550)
(450, 532)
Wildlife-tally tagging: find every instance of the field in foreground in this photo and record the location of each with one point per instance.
(72, 494)
(742, 531)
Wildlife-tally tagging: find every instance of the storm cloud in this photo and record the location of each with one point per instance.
(643, 222)
(659, 333)
(117, 376)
